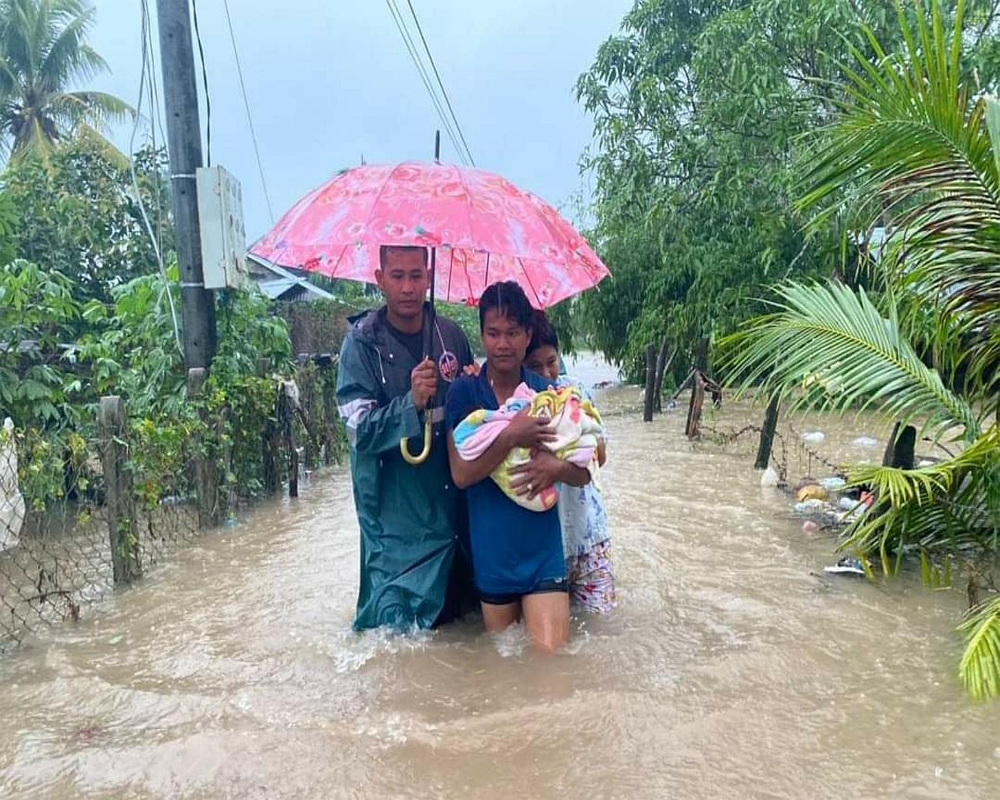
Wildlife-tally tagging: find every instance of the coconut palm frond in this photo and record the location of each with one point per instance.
(948, 508)
(923, 149)
(979, 669)
(43, 52)
(834, 340)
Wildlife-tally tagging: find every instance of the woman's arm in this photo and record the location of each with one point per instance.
(522, 431)
(544, 470)
(468, 473)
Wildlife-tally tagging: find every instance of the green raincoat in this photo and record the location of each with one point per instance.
(414, 539)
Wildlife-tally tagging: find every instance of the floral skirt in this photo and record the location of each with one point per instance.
(591, 579)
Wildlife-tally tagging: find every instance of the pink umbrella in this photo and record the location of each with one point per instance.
(483, 228)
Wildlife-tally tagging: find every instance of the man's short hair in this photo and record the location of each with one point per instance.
(385, 249)
(507, 299)
(542, 333)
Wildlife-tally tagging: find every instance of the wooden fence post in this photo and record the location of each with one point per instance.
(330, 413)
(288, 405)
(767, 433)
(899, 452)
(206, 477)
(647, 411)
(662, 365)
(694, 407)
(118, 499)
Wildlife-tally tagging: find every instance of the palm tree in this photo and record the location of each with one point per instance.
(913, 142)
(43, 50)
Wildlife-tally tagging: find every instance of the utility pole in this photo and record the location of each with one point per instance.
(180, 96)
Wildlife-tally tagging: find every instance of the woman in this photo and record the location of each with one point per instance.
(517, 554)
(586, 540)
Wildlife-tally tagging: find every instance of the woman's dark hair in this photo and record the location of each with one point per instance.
(508, 300)
(542, 333)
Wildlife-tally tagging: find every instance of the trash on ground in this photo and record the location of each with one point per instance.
(769, 478)
(865, 441)
(809, 526)
(813, 437)
(833, 484)
(811, 507)
(848, 565)
(812, 492)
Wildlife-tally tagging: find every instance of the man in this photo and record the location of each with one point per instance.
(414, 553)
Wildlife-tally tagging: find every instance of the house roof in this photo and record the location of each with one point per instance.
(276, 281)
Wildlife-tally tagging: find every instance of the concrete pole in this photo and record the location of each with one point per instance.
(180, 95)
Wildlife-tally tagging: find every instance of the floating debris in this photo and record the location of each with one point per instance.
(848, 565)
(769, 478)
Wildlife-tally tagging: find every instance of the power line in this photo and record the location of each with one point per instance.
(204, 79)
(411, 48)
(154, 238)
(246, 105)
(425, 78)
(437, 75)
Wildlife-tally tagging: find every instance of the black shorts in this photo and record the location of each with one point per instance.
(542, 587)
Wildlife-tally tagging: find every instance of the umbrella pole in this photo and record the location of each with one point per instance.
(404, 444)
(404, 447)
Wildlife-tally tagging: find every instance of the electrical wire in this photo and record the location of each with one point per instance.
(437, 75)
(246, 105)
(146, 63)
(425, 78)
(204, 80)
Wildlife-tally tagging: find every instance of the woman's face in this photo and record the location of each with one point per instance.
(544, 361)
(505, 341)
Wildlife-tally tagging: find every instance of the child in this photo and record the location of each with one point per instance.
(586, 540)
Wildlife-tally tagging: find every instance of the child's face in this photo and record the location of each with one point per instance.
(544, 361)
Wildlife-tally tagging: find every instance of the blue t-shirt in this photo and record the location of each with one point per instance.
(514, 550)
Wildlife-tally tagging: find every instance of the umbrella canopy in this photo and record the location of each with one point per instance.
(485, 230)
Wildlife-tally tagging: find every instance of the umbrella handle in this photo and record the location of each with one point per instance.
(421, 457)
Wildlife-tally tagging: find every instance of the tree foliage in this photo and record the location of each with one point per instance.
(78, 214)
(912, 146)
(700, 107)
(43, 50)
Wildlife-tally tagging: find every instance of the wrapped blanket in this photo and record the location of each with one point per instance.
(576, 423)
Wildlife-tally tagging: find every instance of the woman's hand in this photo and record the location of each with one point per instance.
(543, 471)
(528, 431)
(472, 370)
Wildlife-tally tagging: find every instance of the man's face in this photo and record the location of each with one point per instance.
(504, 340)
(403, 280)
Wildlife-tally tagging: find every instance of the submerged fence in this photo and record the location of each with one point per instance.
(118, 503)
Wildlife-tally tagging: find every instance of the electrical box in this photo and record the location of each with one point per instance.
(223, 237)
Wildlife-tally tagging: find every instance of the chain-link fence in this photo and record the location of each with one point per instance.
(100, 528)
(80, 516)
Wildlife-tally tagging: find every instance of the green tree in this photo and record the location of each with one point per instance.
(699, 110)
(915, 146)
(43, 50)
(78, 214)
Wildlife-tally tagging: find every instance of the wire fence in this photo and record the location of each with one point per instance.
(124, 500)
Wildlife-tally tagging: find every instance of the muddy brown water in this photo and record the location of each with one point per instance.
(733, 668)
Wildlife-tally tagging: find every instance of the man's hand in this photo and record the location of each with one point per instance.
(423, 383)
(527, 431)
(544, 470)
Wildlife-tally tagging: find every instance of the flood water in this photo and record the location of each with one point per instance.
(733, 668)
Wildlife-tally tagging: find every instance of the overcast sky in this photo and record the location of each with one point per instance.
(330, 80)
